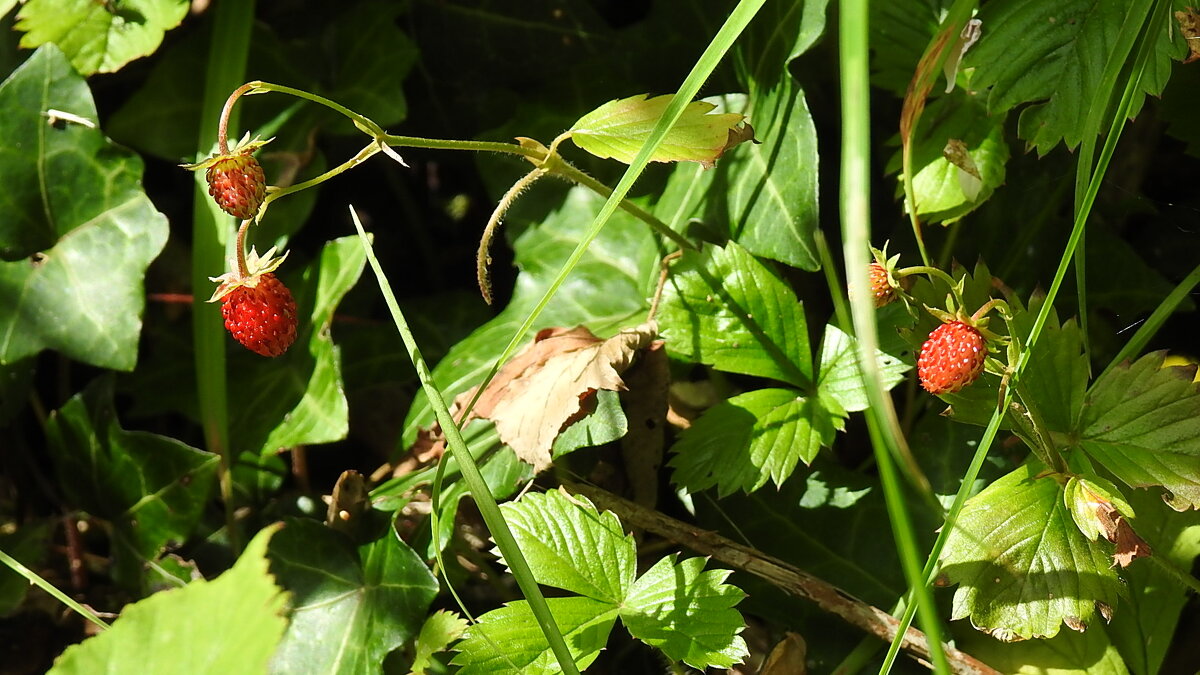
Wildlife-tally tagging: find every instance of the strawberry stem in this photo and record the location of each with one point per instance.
(240, 248)
(223, 127)
(483, 259)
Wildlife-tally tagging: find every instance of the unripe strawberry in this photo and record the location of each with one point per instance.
(951, 358)
(236, 182)
(881, 287)
(258, 308)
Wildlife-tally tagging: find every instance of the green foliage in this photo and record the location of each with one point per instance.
(99, 37)
(151, 489)
(676, 606)
(1022, 566)
(618, 129)
(72, 266)
(440, 629)
(349, 605)
(1064, 47)
(229, 625)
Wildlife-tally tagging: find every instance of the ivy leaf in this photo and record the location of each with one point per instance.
(725, 308)
(78, 230)
(687, 613)
(1022, 565)
(948, 185)
(741, 443)
(1142, 422)
(99, 37)
(838, 374)
(151, 488)
(509, 640)
(298, 398)
(573, 548)
(1058, 68)
(618, 130)
(349, 607)
(228, 625)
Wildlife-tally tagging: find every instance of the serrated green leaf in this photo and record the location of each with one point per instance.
(608, 289)
(1064, 46)
(509, 640)
(1085, 494)
(687, 613)
(349, 607)
(298, 398)
(725, 308)
(1057, 375)
(618, 130)
(763, 196)
(754, 437)
(440, 629)
(569, 545)
(1068, 653)
(99, 37)
(151, 488)
(229, 625)
(839, 377)
(1022, 566)
(1142, 422)
(78, 229)
(1151, 608)
(940, 184)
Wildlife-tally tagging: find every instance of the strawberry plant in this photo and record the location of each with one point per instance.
(672, 410)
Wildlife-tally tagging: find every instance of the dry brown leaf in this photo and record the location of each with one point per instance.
(789, 657)
(646, 407)
(1189, 25)
(540, 390)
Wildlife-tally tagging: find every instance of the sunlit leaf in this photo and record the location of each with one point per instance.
(349, 606)
(99, 37)
(78, 230)
(509, 640)
(618, 129)
(229, 625)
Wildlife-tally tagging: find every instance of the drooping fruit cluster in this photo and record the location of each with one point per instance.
(951, 358)
(258, 308)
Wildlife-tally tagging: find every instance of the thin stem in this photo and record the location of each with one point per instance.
(36, 580)
(363, 155)
(483, 259)
(223, 127)
(240, 249)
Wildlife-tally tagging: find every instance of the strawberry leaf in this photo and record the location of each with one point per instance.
(839, 376)
(741, 443)
(1057, 375)
(509, 640)
(228, 625)
(151, 488)
(725, 308)
(1068, 653)
(1058, 67)
(1142, 421)
(618, 129)
(573, 547)
(1022, 566)
(361, 601)
(440, 629)
(78, 231)
(687, 613)
(99, 37)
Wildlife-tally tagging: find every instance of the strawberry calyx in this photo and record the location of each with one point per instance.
(255, 267)
(244, 146)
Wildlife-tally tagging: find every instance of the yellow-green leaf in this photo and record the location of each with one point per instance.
(618, 129)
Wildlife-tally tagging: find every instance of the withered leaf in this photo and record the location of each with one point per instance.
(541, 390)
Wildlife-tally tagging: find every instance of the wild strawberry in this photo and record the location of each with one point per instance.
(258, 308)
(237, 185)
(881, 286)
(235, 179)
(951, 358)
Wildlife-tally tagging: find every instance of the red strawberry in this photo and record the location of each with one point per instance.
(236, 182)
(881, 287)
(951, 358)
(259, 310)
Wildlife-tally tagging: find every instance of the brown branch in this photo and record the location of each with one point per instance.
(780, 574)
